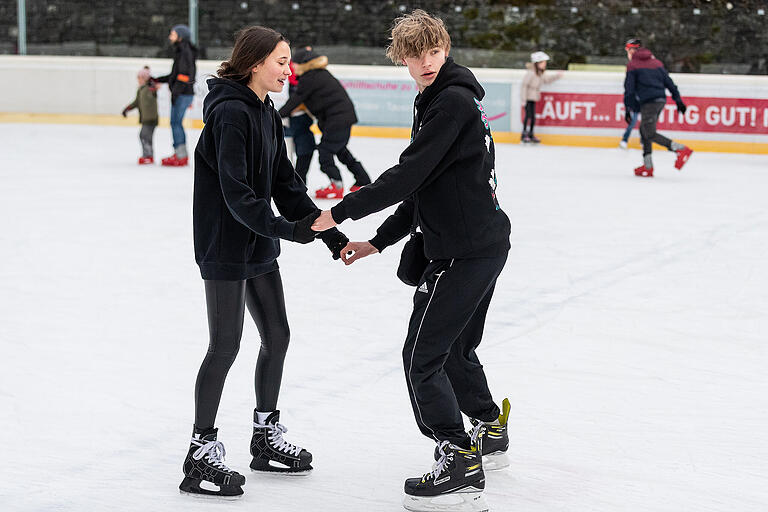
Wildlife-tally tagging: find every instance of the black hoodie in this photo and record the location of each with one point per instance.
(181, 80)
(323, 95)
(449, 167)
(241, 165)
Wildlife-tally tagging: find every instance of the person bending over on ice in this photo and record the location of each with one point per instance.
(446, 184)
(241, 166)
(644, 92)
(326, 99)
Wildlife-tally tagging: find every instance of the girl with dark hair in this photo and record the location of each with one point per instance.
(241, 166)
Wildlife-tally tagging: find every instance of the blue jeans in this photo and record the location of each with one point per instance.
(630, 126)
(303, 138)
(178, 109)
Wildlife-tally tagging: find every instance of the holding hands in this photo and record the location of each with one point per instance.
(324, 221)
(337, 242)
(302, 232)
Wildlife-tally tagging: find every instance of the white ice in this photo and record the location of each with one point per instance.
(628, 329)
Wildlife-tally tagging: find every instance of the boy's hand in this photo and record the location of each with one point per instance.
(358, 250)
(125, 111)
(324, 221)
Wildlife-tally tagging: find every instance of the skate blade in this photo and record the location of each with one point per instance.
(276, 468)
(194, 488)
(303, 472)
(211, 497)
(467, 500)
(495, 461)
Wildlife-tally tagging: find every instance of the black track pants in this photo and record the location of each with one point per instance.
(226, 301)
(442, 371)
(649, 114)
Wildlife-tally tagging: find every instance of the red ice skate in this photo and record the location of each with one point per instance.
(355, 188)
(174, 161)
(330, 192)
(682, 156)
(144, 160)
(644, 172)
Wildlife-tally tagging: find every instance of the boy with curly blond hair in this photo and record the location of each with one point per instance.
(445, 183)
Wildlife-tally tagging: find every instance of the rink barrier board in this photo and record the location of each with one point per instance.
(553, 139)
(726, 113)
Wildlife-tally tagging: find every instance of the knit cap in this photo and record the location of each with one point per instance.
(183, 32)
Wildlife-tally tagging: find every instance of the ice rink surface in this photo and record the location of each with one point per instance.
(629, 330)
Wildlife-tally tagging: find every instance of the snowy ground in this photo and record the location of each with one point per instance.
(629, 331)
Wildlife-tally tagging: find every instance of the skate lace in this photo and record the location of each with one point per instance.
(276, 432)
(440, 464)
(476, 432)
(213, 451)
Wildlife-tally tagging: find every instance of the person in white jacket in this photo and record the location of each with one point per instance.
(530, 91)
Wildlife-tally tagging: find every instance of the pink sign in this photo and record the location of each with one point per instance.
(725, 115)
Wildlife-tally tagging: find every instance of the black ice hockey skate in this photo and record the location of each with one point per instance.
(205, 463)
(271, 453)
(455, 483)
(493, 439)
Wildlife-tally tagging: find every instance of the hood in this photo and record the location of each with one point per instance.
(451, 74)
(223, 89)
(317, 63)
(642, 54)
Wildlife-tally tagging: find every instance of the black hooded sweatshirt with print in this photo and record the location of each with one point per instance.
(448, 168)
(241, 165)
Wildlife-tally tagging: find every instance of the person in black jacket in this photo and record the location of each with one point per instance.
(181, 81)
(644, 92)
(241, 166)
(326, 99)
(445, 182)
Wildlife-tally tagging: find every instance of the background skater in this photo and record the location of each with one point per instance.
(644, 92)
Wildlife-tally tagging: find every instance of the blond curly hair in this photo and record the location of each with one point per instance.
(415, 33)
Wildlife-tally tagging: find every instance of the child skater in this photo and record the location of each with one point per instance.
(530, 92)
(146, 102)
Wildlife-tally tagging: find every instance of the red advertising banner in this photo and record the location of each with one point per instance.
(724, 115)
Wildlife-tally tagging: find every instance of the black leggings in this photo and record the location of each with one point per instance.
(530, 117)
(226, 302)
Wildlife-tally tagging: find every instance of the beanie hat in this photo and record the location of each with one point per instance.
(303, 55)
(632, 43)
(183, 32)
(539, 57)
